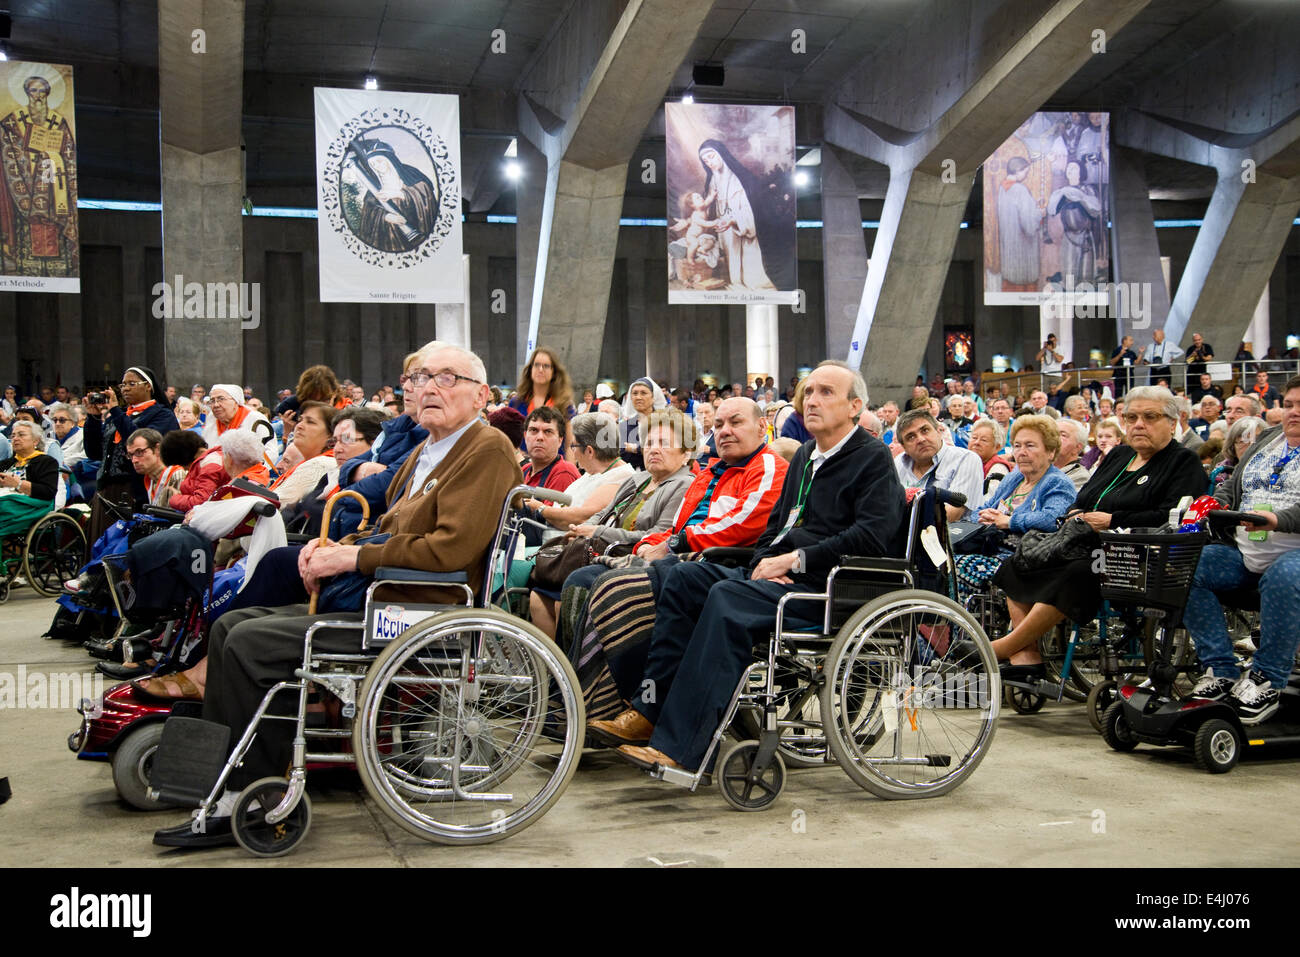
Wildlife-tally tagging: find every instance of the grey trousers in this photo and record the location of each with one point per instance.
(249, 651)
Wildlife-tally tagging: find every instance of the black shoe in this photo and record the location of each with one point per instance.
(218, 834)
(134, 669)
(1255, 698)
(1010, 672)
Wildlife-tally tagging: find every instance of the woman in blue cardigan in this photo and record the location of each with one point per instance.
(1035, 495)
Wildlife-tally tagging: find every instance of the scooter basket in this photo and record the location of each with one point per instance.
(1150, 568)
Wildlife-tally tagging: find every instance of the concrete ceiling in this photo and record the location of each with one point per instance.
(291, 46)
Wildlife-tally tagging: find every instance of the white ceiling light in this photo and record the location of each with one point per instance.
(372, 82)
(514, 172)
(801, 178)
(688, 98)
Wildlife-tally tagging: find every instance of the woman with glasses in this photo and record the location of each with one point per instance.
(1135, 486)
(143, 395)
(229, 412)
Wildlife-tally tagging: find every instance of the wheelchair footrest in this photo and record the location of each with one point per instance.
(189, 759)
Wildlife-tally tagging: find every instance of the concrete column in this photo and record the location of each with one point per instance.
(1258, 333)
(453, 318)
(945, 97)
(844, 251)
(1136, 251)
(909, 264)
(587, 153)
(200, 108)
(1236, 249)
(530, 197)
(761, 340)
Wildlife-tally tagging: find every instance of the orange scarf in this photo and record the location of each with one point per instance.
(235, 421)
(151, 486)
(133, 410)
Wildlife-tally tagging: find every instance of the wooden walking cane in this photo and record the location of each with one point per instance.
(325, 530)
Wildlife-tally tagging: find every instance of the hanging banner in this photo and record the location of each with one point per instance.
(39, 250)
(388, 196)
(731, 204)
(1046, 214)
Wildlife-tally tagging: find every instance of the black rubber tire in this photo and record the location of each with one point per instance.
(1217, 746)
(733, 771)
(269, 840)
(131, 765)
(1115, 729)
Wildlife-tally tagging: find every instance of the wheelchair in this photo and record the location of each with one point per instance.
(51, 550)
(464, 723)
(899, 686)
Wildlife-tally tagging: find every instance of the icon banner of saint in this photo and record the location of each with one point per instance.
(388, 197)
(731, 204)
(1046, 213)
(39, 247)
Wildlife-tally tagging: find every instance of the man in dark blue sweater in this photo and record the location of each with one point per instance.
(841, 497)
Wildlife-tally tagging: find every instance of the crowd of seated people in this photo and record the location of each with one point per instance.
(802, 476)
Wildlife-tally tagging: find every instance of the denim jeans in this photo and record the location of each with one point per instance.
(1221, 569)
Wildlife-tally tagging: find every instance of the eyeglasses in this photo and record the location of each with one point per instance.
(57, 419)
(130, 385)
(345, 439)
(137, 452)
(443, 380)
(1150, 418)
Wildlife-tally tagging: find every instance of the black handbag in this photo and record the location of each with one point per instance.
(975, 538)
(554, 563)
(1074, 540)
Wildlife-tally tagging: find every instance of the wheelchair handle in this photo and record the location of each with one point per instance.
(1228, 517)
(948, 497)
(547, 494)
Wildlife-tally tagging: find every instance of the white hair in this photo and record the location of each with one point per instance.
(31, 428)
(999, 433)
(1078, 428)
(1172, 406)
(244, 448)
(475, 364)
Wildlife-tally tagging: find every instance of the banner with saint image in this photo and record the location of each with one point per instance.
(388, 196)
(731, 204)
(1046, 213)
(39, 248)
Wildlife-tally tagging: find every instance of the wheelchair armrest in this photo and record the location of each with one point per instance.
(727, 556)
(416, 576)
(874, 562)
(166, 514)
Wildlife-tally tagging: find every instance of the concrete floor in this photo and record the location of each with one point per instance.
(1050, 793)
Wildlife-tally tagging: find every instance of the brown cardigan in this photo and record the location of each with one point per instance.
(451, 526)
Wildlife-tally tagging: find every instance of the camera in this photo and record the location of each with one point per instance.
(97, 398)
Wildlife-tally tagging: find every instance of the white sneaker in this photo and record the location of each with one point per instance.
(1255, 698)
(1213, 687)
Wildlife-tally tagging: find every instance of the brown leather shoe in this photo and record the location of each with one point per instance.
(647, 757)
(630, 727)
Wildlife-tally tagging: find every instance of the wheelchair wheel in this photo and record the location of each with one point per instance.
(56, 551)
(1023, 701)
(248, 821)
(1115, 729)
(1102, 696)
(911, 696)
(462, 751)
(1052, 647)
(740, 787)
(133, 765)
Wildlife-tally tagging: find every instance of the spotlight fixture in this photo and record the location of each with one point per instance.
(801, 178)
(4, 51)
(688, 98)
(372, 82)
(514, 172)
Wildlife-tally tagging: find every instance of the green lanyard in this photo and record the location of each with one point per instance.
(804, 488)
(1115, 481)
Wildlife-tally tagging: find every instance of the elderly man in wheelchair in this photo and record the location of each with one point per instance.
(436, 523)
(842, 497)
